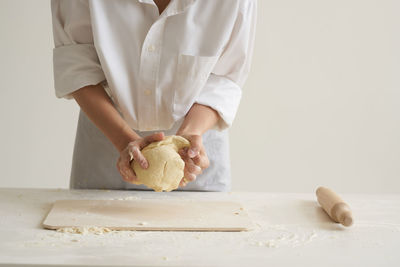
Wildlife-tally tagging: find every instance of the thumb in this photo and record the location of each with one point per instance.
(153, 138)
(195, 146)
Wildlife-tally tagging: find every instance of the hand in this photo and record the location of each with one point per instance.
(133, 152)
(195, 158)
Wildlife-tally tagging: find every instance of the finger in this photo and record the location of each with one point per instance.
(130, 175)
(190, 167)
(138, 156)
(187, 160)
(153, 138)
(183, 183)
(191, 170)
(183, 152)
(202, 161)
(195, 146)
(125, 170)
(184, 155)
(189, 177)
(130, 155)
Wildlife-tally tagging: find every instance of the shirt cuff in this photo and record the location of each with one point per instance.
(223, 95)
(75, 66)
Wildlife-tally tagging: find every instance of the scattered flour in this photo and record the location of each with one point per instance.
(282, 236)
(269, 243)
(127, 198)
(85, 230)
(311, 236)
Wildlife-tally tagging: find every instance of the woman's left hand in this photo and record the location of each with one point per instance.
(195, 158)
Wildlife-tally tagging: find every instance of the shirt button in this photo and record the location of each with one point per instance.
(151, 48)
(147, 92)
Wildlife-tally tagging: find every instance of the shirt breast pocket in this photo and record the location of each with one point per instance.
(191, 74)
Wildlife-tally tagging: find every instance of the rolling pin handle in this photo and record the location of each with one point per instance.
(347, 219)
(341, 213)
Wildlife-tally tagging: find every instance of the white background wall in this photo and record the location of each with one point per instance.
(321, 106)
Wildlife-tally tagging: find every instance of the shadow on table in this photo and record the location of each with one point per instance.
(318, 216)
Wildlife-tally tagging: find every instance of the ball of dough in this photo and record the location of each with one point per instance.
(166, 166)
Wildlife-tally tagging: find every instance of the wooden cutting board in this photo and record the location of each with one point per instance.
(149, 214)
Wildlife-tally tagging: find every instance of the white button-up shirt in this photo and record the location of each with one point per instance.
(155, 66)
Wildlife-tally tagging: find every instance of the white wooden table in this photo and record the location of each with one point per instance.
(291, 230)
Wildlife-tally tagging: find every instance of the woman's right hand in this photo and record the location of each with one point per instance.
(133, 152)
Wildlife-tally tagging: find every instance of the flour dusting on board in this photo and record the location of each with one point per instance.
(85, 230)
(127, 198)
(282, 236)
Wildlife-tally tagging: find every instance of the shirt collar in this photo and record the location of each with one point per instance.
(173, 8)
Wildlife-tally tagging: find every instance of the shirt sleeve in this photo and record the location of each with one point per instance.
(222, 91)
(75, 60)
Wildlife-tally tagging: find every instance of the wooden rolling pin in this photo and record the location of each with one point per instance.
(336, 208)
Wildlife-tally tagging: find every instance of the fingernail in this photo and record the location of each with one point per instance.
(145, 165)
(191, 177)
(192, 152)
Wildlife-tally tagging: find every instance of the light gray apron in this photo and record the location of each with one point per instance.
(95, 158)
